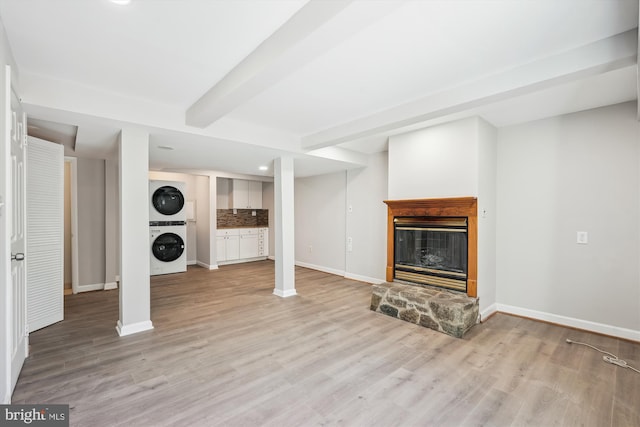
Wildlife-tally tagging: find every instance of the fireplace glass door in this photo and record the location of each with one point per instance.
(432, 251)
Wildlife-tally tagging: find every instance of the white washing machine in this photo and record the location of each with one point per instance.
(166, 201)
(168, 248)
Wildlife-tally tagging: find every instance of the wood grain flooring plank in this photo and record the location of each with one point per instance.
(225, 351)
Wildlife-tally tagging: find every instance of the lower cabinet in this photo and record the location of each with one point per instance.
(227, 248)
(249, 243)
(263, 242)
(241, 244)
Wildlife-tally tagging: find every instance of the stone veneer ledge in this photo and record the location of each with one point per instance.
(442, 310)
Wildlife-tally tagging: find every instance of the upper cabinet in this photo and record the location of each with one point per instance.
(246, 194)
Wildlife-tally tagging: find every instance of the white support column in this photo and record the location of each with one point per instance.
(284, 230)
(135, 293)
(213, 222)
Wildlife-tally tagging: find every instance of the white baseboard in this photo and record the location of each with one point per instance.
(240, 261)
(365, 279)
(341, 273)
(284, 294)
(110, 286)
(586, 325)
(207, 266)
(192, 262)
(92, 287)
(271, 257)
(320, 268)
(484, 314)
(134, 328)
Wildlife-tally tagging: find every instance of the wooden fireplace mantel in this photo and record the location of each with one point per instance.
(453, 206)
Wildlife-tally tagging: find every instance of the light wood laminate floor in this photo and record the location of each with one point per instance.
(225, 351)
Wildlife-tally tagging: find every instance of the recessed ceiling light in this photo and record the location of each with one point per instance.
(121, 2)
(165, 147)
(263, 168)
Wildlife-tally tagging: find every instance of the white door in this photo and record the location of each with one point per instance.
(45, 233)
(19, 335)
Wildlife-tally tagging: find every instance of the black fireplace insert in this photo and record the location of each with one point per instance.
(431, 251)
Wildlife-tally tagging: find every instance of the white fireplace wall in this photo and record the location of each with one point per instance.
(456, 159)
(440, 161)
(487, 215)
(558, 176)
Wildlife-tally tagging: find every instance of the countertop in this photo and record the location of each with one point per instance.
(242, 226)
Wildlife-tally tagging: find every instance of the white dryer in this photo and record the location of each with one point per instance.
(166, 201)
(168, 249)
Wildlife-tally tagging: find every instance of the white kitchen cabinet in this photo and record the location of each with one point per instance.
(246, 194)
(234, 245)
(255, 194)
(227, 244)
(263, 242)
(249, 243)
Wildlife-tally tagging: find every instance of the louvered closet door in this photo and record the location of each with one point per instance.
(45, 233)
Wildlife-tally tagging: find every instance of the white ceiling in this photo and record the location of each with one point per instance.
(278, 78)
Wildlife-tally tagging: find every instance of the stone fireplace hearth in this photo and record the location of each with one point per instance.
(452, 313)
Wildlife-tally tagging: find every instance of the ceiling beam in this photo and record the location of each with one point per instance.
(595, 58)
(319, 26)
(262, 66)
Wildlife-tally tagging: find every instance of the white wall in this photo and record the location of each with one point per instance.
(440, 161)
(112, 222)
(268, 203)
(366, 222)
(91, 222)
(487, 214)
(203, 223)
(320, 222)
(557, 176)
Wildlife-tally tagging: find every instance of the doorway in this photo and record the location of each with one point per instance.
(70, 226)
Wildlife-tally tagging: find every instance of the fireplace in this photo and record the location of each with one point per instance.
(433, 242)
(431, 251)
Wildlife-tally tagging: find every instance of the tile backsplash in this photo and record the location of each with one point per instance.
(243, 218)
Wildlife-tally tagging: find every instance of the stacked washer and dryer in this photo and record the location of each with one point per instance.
(168, 227)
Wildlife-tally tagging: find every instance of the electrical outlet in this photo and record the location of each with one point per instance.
(582, 238)
(310, 248)
(349, 244)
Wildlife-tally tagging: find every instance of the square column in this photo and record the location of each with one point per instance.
(135, 292)
(284, 227)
